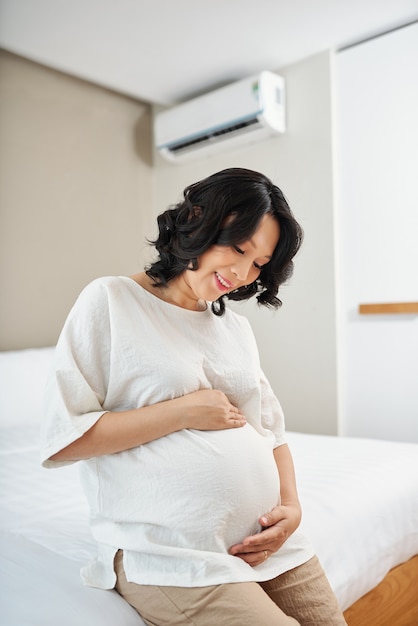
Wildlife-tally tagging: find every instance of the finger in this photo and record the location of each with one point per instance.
(272, 517)
(260, 540)
(242, 548)
(238, 422)
(254, 558)
(236, 417)
(271, 537)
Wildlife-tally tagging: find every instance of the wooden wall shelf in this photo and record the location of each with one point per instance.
(388, 308)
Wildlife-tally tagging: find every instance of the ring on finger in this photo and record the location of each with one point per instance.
(265, 554)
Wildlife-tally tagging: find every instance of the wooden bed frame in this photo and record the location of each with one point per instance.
(394, 602)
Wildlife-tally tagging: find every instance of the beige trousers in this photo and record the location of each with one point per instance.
(301, 596)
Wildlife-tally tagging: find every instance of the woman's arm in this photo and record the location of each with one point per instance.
(280, 522)
(288, 489)
(207, 409)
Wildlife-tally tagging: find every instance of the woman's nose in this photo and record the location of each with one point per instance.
(241, 269)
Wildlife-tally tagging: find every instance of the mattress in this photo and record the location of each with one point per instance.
(360, 507)
(44, 540)
(359, 499)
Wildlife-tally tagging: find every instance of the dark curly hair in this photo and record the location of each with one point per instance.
(189, 228)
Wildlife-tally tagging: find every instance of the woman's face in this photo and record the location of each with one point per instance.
(222, 269)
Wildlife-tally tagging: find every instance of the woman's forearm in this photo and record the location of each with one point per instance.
(288, 487)
(117, 431)
(205, 409)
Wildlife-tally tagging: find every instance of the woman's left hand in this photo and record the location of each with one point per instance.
(277, 525)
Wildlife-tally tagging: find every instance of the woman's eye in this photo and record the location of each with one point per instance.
(241, 251)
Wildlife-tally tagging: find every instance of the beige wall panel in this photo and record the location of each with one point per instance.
(75, 194)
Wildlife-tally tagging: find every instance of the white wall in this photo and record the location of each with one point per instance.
(377, 148)
(298, 343)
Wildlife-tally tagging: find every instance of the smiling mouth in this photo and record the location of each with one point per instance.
(224, 284)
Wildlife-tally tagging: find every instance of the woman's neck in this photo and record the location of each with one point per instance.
(177, 292)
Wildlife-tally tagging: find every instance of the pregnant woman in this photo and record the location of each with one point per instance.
(157, 390)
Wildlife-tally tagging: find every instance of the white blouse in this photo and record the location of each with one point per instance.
(177, 504)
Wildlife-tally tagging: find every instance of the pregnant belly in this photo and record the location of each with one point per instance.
(195, 489)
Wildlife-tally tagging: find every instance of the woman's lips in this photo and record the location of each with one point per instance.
(223, 283)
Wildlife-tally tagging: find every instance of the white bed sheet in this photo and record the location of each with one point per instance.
(360, 502)
(44, 540)
(42, 588)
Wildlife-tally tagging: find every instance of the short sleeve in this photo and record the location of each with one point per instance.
(78, 379)
(272, 417)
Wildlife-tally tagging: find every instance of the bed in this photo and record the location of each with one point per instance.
(360, 502)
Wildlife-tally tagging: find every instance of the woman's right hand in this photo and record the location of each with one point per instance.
(210, 409)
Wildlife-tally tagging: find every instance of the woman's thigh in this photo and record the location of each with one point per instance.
(305, 593)
(237, 604)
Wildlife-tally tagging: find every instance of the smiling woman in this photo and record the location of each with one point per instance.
(227, 210)
(181, 439)
(221, 269)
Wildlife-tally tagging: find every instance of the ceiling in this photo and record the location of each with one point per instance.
(166, 51)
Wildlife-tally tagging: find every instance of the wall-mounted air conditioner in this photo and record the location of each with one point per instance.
(240, 113)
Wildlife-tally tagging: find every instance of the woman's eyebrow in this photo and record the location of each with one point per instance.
(265, 256)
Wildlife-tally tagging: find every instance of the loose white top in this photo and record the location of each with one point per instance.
(177, 504)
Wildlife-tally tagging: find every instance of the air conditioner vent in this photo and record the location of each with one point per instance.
(207, 137)
(240, 113)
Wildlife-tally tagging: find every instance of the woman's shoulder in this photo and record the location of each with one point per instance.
(98, 292)
(91, 309)
(105, 285)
